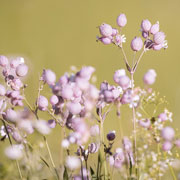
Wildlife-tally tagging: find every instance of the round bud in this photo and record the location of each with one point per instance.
(67, 92)
(159, 37)
(17, 137)
(10, 115)
(168, 133)
(121, 20)
(86, 72)
(111, 135)
(54, 100)
(105, 30)
(16, 62)
(14, 152)
(49, 77)
(145, 124)
(150, 77)
(166, 146)
(114, 32)
(146, 25)
(157, 47)
(124, 82)
(4, 61)
(2, 90)
(22, 70)
(136, 44)
(52, 123)
(105, 40)
(154, 28)
(177, 143)
(163, 117)
(94, 130)
(16, 84)
(74, 108)
(145, 34)
(42, 103)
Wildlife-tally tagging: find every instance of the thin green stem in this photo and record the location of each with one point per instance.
(51, 159)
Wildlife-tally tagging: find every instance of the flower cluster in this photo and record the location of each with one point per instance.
(80, 109)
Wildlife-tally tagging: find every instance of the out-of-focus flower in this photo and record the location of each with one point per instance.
(14, 152)
(168, 133)
(73, 162)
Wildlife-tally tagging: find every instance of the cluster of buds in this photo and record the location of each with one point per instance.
(110, 35)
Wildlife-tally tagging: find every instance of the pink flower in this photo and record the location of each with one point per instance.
(136, 44)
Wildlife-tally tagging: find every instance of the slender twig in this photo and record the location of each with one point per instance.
(51, 159)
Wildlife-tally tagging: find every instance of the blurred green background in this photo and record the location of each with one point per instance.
(59, 33)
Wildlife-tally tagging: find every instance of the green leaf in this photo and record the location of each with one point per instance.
(65, 174)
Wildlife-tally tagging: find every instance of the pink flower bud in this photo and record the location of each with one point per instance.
(105, 30)
(22, 70)
(74, 108)
(52, 123)
(10, 115)
(114, 32)
(94, 130)
(121, 20)
(163, 117)
(16, 84)
(2, 90)
(167, 146)
(17, 137)
(177, 143)
(54, 100)
(154, 28)
(16, 62)
(49, 77)
(150, 77)
(63, 80)
(146, 25)
(86, 72)
(4, 61)
(124, 82)
(168, 133)
(157, 47)
(136, 44)
(159, 37)
(42, 103)
(145, 124)
(67, 92)
(105, 40)
(145, 34)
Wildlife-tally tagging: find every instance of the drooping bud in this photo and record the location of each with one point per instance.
(154, 28)
(22, 70)
(49, 77)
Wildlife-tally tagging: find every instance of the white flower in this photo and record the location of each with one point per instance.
(42, 127)
(73, 162)
(65, 143)
(3, 131)
(14, 152)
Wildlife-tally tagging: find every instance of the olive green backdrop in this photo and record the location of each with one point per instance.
(56, 34)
